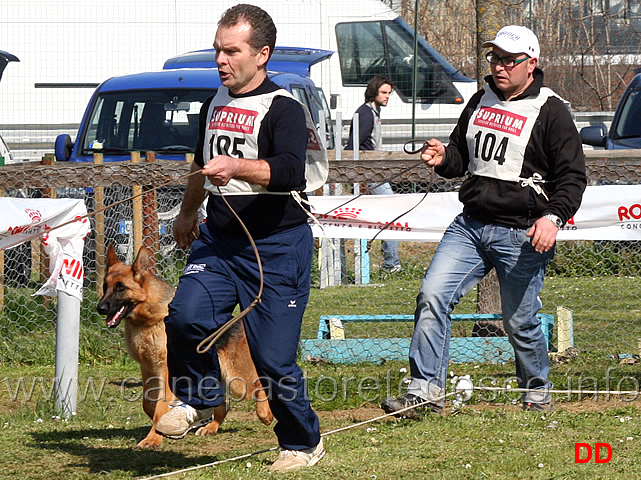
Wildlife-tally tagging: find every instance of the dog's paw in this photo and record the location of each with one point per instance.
(151, 441)
(264, 413)
(209, 429)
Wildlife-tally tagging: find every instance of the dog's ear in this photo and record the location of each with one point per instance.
(141, 264)
(112, 256)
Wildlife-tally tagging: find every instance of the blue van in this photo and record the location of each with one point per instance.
(158, 111)
(625, 131)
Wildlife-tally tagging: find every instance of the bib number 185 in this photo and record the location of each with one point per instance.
(223, 143)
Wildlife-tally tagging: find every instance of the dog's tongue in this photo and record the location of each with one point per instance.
(115, 320)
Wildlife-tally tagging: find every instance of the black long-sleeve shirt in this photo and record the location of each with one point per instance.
(554, 148)
(282, 143)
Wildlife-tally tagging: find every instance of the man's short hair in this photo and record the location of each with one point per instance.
(373, 85)
(263, 28)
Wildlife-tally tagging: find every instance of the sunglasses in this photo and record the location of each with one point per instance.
(507, 62)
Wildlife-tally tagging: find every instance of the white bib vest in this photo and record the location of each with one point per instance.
(232, 129)
(498, 133)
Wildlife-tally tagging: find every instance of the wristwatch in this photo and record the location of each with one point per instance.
(555, 220)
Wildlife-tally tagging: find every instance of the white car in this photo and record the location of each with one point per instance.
(5, 154)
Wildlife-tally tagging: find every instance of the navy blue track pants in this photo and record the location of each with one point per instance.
(221, 273)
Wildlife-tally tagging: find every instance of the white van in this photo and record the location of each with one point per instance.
(5, 155)
(97, 41)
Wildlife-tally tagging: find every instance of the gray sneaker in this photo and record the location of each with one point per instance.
(394, 404)
(392, 269)
(294, 459)
(538, 407)
(182, 418)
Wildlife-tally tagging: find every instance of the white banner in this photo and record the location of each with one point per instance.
(21, 218)
(609, 212)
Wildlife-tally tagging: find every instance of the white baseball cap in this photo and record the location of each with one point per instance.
(516, 39)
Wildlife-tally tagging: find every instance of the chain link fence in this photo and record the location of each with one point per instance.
(594, 282)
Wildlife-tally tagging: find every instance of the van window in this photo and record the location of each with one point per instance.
(299, 92)
(318, 96)
(145, 120)
(629, 124)
(314, 100)
(386, 48)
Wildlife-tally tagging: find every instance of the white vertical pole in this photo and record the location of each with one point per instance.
(361, 260)
(322, 131)
(357, 190)
(338, 190)
(67, 339)
(329, 249)
(333, 252)
(338, 134)
(322, 253)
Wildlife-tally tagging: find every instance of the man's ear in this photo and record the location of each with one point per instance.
(263, 56)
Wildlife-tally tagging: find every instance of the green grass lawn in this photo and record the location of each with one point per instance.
(488, 438)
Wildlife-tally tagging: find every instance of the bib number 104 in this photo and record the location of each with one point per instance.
(487, 147)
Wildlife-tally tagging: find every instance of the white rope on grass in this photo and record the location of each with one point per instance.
(393, 414)
(569, 392)
(212, 464)
(240, 457)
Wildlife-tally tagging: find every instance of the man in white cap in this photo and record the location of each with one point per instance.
(517, 143)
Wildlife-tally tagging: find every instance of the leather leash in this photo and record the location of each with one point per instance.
(210, 340)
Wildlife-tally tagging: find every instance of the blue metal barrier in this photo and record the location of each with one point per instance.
(331, 344)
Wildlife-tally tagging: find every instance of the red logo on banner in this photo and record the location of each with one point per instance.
(347, 212)
(233, 119)
(73, 268)
(34, 215)
(45, 237)
(632, 212)
(18, 230)
(500, 120)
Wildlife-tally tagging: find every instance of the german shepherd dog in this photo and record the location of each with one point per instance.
(134, 294)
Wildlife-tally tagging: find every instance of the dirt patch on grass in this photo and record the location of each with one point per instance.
(587, 405)
(363, 414)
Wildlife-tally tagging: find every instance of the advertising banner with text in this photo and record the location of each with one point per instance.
(21, 218)
(609, 212)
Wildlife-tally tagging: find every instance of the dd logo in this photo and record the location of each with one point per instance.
(578, 447)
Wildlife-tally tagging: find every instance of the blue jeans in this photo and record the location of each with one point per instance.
(467, 252)
(389, 248)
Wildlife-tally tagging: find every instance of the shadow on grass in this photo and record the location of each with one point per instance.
(136, 461)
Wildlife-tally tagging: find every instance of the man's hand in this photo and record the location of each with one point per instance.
(221, 169)
(185, 230)
(433, 152)
(543, 234)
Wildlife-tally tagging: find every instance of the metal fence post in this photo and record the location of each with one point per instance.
(330, 257)
(357, 190)
(361, 256)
